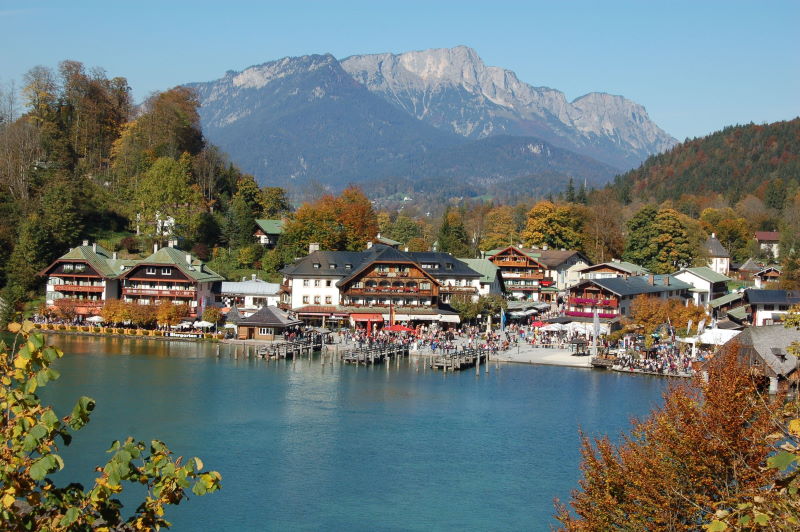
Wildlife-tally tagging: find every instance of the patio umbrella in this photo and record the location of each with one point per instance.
(398, 328)
(203, 324)
(553, 327)
(95, 319)
(538, 324)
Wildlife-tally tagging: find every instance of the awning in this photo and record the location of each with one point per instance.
(367, 317)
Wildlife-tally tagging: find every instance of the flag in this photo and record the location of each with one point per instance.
(701, 326)
(391, 314)
(502, 319)
(596, 324)
(689, 327)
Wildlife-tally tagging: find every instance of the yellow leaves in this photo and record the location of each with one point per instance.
(20, 362)
(794, 427)
(8, 497)
(14, 327)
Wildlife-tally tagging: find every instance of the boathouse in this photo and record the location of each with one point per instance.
(265, 324)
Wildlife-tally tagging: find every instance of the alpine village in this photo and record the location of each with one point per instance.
(139, 225)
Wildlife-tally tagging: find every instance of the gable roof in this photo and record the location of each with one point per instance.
(252, 287)
(715, 248)
(331, 264)
(193, 268)
(626, 267)
(522, 251)
(750, 265)
(269, 317)
(381, 253)
(636, 285)
(772, 297)
(459, 267)
(768, 236)
(486, 268)
(98, 258)
(706, 274)
(553, 258)
(270, 227)
(769, 342)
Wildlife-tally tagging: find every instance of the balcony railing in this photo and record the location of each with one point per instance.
(578, 314)
(77, 288)
(595, 302)
(159, 293)
(522, 275)
(386, 290)
(459, 289)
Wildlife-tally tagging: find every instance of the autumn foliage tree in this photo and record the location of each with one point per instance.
(648, 313)
(703, 452)
(32, 435)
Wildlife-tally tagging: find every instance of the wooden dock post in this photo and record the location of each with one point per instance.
(477, 365)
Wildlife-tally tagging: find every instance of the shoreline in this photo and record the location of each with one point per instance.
(129, 336)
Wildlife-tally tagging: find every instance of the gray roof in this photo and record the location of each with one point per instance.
(253, 287)
(772, 297)
(750, 265)
(449, 266)
(331, 264)
(334, 263)
(638, 284)
(269, 317)
(715, 248)
(191, 267)
(769, 343)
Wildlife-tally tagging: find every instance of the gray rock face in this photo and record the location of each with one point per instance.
(452, 89)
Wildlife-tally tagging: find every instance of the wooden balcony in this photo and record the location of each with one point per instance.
(511, 263)
(190, 293)
(78, 288)
(458, 289)
(533, 276)
(593, 302)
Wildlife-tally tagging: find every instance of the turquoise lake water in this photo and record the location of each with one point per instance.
(306, 446)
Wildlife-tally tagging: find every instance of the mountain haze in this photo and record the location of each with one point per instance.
(418, 117)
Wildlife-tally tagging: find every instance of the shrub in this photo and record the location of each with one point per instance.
(96, 329)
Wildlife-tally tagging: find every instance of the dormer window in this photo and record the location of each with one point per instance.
(332, 266)
(166, 271)
(150, 271)
(348, 266)
(317, 265)
(449, 265)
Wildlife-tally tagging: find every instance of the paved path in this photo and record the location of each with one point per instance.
(540, 355)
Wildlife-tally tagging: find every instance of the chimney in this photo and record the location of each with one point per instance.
(312, 247)
(189, 259)
(114, 255)
(713, 235)
(85, 242)
(253, 277)
(94, 247)
(369, 244)
(651, 279)
(171, 243)
(405, 249)
(155, 247)
(379, 235)
(544, 247)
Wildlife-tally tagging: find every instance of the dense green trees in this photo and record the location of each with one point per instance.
(660, 241)
(452, 237)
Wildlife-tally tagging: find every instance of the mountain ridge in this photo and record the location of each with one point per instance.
(305, 118)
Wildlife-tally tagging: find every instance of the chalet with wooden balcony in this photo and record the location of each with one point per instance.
(608, 270)
(372, 284)
(84, 278)
(170, 274)
(524, 277)
(769, 276)
(612, 297)
(268, 232)
(388, 277)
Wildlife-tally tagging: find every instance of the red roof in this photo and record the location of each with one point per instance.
(768, 236)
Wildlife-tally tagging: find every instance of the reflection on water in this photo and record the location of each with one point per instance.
(306, 446)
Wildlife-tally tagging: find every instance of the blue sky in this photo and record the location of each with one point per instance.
(696, 66)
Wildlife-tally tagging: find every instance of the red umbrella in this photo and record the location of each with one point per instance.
(538, 323)
(398, 328)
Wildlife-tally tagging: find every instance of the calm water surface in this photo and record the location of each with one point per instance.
(307, 446)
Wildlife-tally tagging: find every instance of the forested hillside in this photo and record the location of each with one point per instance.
(736, 161)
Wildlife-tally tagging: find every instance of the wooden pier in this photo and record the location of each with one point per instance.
(374, 355)
(458, 360)
(296, 348)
